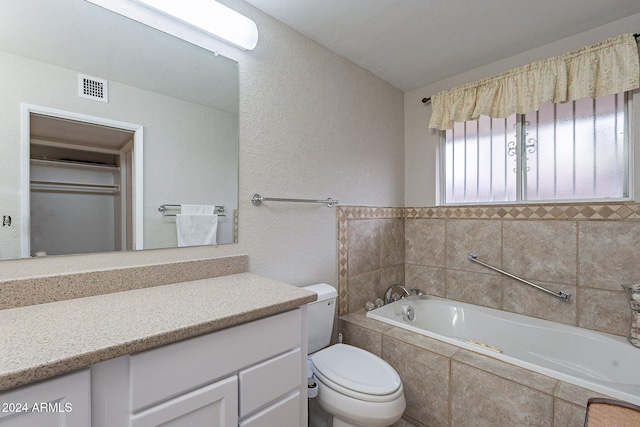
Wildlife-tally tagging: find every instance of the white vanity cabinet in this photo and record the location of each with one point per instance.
(63, 401)
(248, 375)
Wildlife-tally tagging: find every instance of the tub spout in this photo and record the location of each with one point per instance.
(389, 292)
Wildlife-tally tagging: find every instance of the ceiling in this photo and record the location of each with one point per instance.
(412, 43)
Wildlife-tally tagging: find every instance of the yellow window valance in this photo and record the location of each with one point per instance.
(608, 67)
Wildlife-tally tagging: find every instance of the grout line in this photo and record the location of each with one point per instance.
(450, 393)
(577, 282)
(444, 263)
(502, 279)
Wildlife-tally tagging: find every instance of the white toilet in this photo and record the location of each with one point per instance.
(356, 388)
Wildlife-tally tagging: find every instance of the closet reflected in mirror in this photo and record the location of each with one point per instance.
(183, 98)
(81, 188)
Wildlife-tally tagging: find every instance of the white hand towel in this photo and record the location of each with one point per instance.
(198, 209)
(195, 230)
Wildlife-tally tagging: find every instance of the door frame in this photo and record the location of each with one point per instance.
(25, 141)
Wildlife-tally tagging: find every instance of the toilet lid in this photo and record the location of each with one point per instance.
(356, 369)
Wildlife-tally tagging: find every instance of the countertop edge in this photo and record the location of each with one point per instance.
(31, 374)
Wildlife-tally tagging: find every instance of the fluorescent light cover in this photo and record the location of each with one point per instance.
(211, 17)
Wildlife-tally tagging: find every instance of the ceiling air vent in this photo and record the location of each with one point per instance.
(93, 88)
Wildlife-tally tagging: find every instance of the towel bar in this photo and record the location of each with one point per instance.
(219, 210)
(258, 199)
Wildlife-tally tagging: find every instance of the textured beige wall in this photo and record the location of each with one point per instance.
(312, 125)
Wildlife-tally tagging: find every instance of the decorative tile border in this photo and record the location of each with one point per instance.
(558, 212)
(343, 259)
(235, 226)
(367, 212)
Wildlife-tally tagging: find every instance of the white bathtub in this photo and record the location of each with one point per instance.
(600, 362)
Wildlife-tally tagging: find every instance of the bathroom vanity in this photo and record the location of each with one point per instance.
(225, 351)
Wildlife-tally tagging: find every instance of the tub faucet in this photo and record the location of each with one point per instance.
(388, 292)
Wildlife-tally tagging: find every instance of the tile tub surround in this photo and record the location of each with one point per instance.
(44, 340)
(40, 290)
(588, 250)
(448, 386)
(370, 253)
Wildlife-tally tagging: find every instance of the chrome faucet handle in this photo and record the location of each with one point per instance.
(418, 292)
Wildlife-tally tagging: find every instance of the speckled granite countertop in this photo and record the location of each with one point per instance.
(41, 341)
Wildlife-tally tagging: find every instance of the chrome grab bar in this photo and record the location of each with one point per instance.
(258, 199)
(564, 296)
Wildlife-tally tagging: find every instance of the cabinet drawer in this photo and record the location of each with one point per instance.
(166, 372)
(285, 413)
(269, 380)
(211, 406)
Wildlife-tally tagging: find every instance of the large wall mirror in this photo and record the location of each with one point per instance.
(80, 85)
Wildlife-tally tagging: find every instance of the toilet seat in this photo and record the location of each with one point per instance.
(356, 373)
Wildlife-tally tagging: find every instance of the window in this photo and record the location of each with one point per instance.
(576, 151)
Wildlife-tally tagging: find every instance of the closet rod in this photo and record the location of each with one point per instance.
(74, 165)
(74, 187)
(258, 199)
(427, 100)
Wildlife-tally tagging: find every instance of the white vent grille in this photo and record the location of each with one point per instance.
(93, 88)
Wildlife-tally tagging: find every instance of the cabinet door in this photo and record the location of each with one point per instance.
(59, 402)
(215, 405)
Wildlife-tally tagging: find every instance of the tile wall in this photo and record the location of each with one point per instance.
(586, 250)
(371, 254)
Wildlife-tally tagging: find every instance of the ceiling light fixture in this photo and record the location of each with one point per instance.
(211, 17)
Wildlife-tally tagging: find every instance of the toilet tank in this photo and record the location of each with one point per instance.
(320, 314)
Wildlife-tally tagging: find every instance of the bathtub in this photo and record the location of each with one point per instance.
(601, 362)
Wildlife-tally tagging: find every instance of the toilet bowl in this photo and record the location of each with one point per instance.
(356, 388)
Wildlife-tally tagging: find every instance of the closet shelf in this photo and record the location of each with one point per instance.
(74, 187)
(74, 165)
